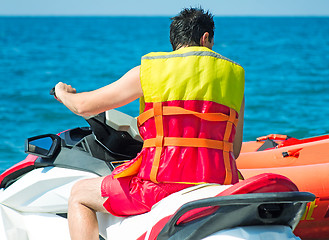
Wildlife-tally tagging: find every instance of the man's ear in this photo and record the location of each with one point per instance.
(204, 39)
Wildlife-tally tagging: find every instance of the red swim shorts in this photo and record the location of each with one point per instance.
(133, 195)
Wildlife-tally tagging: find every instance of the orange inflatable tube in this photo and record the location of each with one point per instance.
(306, 163)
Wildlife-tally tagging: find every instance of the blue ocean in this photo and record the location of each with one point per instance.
(286, 60)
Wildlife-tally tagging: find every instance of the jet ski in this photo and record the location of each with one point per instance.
(34, 193)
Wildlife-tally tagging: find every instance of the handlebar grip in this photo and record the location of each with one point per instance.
(52, 91)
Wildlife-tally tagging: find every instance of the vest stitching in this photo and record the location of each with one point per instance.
(188, 54)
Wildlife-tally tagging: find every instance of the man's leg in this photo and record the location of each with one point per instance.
(84, 202)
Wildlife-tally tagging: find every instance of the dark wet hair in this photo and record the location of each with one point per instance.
(188, 27)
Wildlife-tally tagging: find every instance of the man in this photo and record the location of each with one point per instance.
(192, 108)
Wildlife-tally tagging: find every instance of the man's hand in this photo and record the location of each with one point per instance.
(63, 87)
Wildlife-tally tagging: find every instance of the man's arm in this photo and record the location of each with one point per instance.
(125, 90)
(237, 143)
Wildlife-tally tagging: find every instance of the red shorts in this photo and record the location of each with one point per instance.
(132, 195)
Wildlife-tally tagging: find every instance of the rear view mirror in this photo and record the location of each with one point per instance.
(45, 146)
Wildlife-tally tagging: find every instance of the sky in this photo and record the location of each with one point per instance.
(163, 7)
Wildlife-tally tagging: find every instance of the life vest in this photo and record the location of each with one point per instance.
(190, 108)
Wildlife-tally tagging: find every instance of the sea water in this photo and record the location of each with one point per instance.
(286, 60)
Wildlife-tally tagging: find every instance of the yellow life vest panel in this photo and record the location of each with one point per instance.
(192, 73)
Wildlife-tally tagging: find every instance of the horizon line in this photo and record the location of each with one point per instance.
(164, 15)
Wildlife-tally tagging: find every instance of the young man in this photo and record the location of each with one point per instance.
(192, 104)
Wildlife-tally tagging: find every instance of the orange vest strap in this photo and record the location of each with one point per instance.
(158, 112)
(189, 142)
(226, 154)
(172, 110)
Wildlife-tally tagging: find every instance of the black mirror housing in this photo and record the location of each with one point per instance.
(45, 146)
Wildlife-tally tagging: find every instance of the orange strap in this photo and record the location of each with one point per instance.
(272, 137)
(172, 110)
(157, 106)
(189, 142)
(226, 154)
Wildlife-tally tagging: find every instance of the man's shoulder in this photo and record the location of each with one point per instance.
(219, 56)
